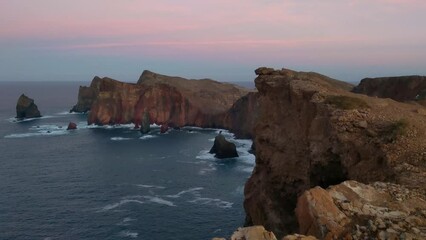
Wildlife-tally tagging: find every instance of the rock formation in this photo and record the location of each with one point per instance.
(26, 108)
(312, 131)
(404, 88)
(145, 123)
(251, 233)
(353, 210)
(223, 148)
(72, 126)
(172, 100)
(164, 128)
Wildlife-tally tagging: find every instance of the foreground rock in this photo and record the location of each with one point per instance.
(145, 123)
(404, 88)
(312, 131)
(251, 233)
(222, 148)
(72, 126)
(168, 100)
(353, 210)
(26, 108)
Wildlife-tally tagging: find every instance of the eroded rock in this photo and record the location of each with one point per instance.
(26, 108)
(222, 148)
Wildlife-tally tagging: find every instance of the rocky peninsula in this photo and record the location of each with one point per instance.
(173, 101)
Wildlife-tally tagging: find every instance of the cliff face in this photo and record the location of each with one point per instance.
(404, 88)
(312, 131)
(168, 100)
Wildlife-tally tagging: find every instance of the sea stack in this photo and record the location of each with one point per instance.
(145, 128)
(223, 148)
(26, 108)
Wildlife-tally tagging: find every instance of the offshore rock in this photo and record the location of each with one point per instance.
(72, 126)
(164, 128)
(404, 88)
(312, 131)
(145, 124)
(223, 148)
(26, 108)
(352, 210)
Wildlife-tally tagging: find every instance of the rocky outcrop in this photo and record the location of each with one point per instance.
(312, 131)
(145, 123)
(72, 126)
(242, 116)
(251, 233)
(222, 148)
(353, 210)
(167, 100)
(164, 128)
(404, 88)
(26, 108)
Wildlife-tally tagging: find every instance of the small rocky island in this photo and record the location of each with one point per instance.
(223, 148)
(26, 108)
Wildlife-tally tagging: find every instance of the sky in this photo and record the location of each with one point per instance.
(61, 40)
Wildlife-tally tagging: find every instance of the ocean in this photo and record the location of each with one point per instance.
(111, 182)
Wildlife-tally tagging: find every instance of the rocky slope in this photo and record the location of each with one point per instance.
(404, 88)
(168, 100)
(312, 131)
(353, 210)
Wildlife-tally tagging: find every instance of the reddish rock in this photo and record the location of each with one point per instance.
(312, 131)
(164, 128)
(72, 126)
(352, 210)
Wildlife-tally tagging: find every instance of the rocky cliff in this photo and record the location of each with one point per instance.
(404, 88)
(168, 100)
(312, 131)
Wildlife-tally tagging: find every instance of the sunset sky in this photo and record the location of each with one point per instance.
(61, 40)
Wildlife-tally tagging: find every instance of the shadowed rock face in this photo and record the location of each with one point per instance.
(404, 88)
(168, 100)
(311, 131)
(223, 148)
(26, 108)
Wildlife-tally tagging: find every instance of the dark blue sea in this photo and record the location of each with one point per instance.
(110, 182)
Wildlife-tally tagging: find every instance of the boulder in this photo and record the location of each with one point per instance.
(26, 108)
(72, 126)
(251, 233)
(164, 128)
(223, 148)
(145, 126)
(352, 210)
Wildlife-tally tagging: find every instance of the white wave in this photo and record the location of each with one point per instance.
(49, 127)
(194, 191)
(69, 113)
(147, 137)
(120, 138)
(128, 234)
(126, 221)
(150, 186)
(122, 202)
(205, 155)
(209, 168)
(212, 202)
(239, 190)
(116, 126)
(15, 120)
(37, 134)
(245, 169)
(160, 201)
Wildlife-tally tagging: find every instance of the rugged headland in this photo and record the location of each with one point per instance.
(313, 132)
(173, 101)
(330, 163)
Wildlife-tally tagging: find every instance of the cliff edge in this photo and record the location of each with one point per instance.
(312, 131)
